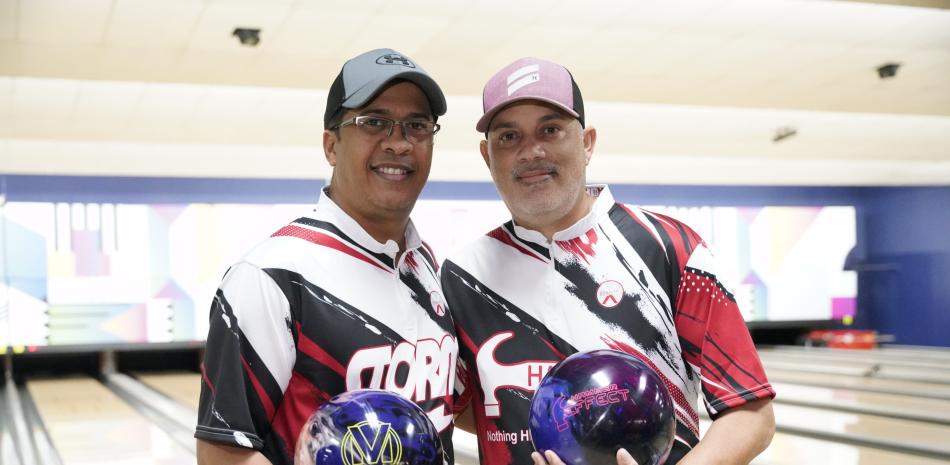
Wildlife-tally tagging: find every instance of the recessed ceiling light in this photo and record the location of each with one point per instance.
(888, 70)
(249, 37)
(783, 133)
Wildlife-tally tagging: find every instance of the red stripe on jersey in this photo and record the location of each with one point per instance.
(558, 353)
(204, 377)
(326, 241)
(502, 236)
(411, 261)
(692, 237)
(675, 235)
(314, 351)
(466, 376)
(469, 385)
(466, 339)
(707, 320)
(301, 399)
(678, 397)
(259, 389)
(580, 248)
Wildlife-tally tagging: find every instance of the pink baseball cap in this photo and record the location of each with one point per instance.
(535, 79)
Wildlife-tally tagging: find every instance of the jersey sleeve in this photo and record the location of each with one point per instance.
(249, 358)
(714, 337)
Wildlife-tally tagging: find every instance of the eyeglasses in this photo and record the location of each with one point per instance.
(414, 131)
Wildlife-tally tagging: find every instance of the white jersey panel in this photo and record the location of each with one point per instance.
(263, 313)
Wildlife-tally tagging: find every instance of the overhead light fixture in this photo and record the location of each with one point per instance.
(887, 70)
(783, 133)
(248, 37)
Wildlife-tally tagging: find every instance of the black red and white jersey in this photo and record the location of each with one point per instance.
(621, 278)
(317, 309)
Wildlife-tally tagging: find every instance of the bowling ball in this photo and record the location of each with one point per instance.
(369, 426)
(593, 403)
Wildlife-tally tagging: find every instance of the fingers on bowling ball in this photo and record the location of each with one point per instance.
(552, 457)
(624, 458)
(538, 458)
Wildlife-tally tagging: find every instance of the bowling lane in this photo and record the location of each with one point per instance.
(905, 433)
(184, 387)
(917, 351)
(837, 398)
(887, 353)
(8, 453)
(88, 424)
(831, 380)
(857, 359)
(861, 370)
(788, 449)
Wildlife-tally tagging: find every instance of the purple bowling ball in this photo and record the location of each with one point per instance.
(593, 403)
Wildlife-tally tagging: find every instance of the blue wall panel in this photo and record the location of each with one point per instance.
(906, 290)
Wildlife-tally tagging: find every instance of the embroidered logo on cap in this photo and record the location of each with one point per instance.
(522, 77)
(395, 59)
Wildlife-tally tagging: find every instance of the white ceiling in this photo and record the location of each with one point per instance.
(692, 90)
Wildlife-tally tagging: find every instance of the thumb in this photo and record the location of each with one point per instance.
(624, 458)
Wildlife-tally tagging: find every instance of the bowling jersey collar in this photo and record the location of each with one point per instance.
(327, 210)
(603, 202)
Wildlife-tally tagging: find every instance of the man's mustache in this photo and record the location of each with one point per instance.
(542, 166)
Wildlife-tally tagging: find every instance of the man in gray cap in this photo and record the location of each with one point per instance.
(344, 298)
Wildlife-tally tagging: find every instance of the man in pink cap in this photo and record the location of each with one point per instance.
(574, 271)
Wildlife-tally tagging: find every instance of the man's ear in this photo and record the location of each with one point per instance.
(590, 140)
(483, 147)
(329, 146)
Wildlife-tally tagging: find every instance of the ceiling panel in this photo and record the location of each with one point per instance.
(730, 19)
(81, 61)
(226, 105)
(150, 24)
(805, 43)
(217, 114)
(108, 100)
(44, 98)
(6, 97)
(290, 105)
(413, 30)
(683, 79)
(8, 19)
(129, 63)
(305, 30)
(210, 67)
(59, 22)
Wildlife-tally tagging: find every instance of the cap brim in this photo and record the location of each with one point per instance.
(368, 92)
(485, 120)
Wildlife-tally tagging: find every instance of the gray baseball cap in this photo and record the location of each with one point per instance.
(364, 76)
